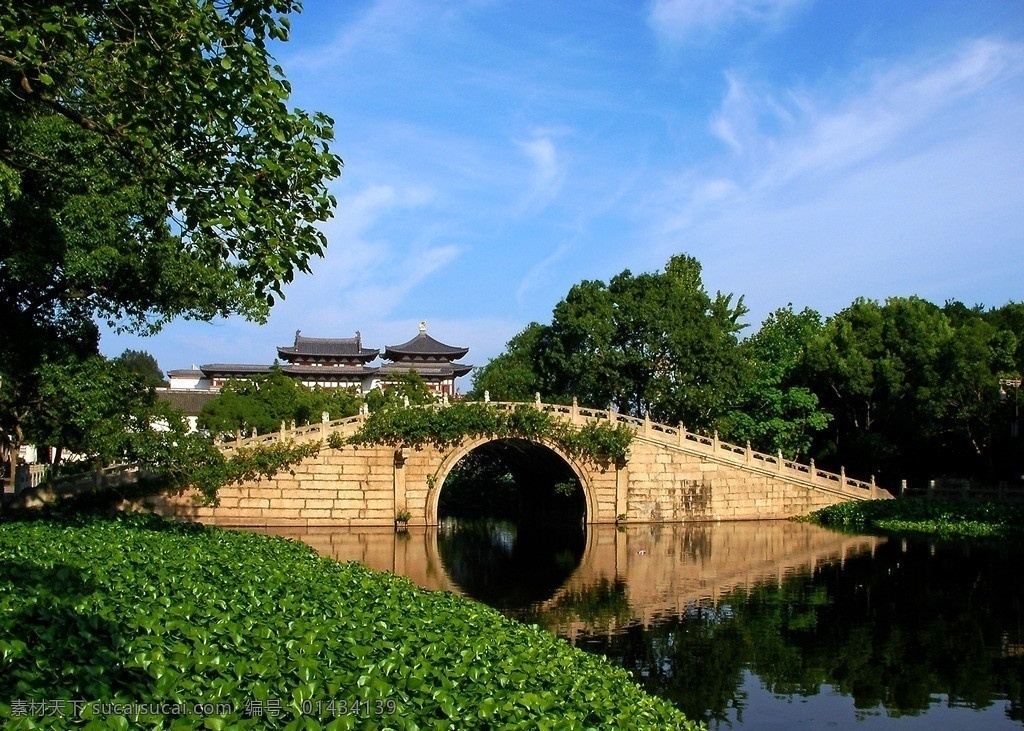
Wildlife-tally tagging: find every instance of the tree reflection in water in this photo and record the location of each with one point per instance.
(894, 631)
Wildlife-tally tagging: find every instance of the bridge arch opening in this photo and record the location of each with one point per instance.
(512, 519)
(515, 479)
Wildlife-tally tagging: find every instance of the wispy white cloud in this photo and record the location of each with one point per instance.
(897, 105)
(676, 20)
(547, 171)
(379, 29)
(373, 260)
(914, 174)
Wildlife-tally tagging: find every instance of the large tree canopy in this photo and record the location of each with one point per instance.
(122, 116)
(150, 168)
(653, 343)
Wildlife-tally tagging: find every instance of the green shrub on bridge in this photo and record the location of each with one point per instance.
(445, 427)
(138, 610)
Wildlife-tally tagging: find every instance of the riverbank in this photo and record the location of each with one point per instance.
(944, 518)
(157, 622)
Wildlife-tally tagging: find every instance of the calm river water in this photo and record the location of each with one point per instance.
(754, 625)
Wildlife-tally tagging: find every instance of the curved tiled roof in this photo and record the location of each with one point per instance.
(211, 368)
(327, 347)
(424, 346)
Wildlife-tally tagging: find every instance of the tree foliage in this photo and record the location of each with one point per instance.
(650, 343)
(512, 375)
(775, 409)
(899, 389)
(399, 388)
(143, 365)
(915, 388)
(150, 168)
(263, 403)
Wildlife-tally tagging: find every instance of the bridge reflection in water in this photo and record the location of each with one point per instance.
(636, 574)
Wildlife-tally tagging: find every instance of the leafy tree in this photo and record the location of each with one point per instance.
(776, 411)
(264, 402)
(915, 388)
(512, 375)
(143, 365)
(150, 168)
(876, 369)
(656, 343)
(398, 388)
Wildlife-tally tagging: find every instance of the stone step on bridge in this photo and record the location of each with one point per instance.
(669, 475)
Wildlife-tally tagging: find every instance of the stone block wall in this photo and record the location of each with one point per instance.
(666, 479)
(670, 484)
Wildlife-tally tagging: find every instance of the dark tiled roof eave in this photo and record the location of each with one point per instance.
(190, 401)
(319, 347)
(427, 370)
(224, 368)
(185, 373)
(424, 345)
(290, 354)
(330, 371)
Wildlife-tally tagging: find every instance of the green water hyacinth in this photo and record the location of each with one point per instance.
(133, 621)
(943, 518)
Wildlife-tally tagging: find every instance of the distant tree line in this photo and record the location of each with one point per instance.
(902, 389)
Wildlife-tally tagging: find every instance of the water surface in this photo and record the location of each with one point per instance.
(752, 625)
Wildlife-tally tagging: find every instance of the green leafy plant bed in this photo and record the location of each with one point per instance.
(445, 427)
(933, 517)
(133, 621)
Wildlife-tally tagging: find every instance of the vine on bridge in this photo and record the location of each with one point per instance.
(598, 442)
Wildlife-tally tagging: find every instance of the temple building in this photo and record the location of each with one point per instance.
(340, 363)
(431, 359)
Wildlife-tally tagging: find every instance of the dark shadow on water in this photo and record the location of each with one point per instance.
(506, 565)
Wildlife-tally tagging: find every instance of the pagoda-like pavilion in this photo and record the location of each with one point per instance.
(431, 359)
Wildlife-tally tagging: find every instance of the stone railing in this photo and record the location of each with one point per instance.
(39, 484)
(678, 437)
(675, 437)
(307, 433)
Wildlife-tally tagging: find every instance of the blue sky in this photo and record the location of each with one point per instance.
(496, 153)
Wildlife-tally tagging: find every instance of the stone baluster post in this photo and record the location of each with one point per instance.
(813, 471)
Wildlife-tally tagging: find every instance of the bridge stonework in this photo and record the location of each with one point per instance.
(670, 475)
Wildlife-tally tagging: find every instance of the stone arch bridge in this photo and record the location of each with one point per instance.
(670, 475)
